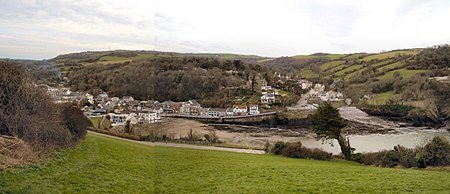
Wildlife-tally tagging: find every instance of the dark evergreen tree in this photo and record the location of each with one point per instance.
(328, 124)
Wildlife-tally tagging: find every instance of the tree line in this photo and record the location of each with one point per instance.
(213, 82)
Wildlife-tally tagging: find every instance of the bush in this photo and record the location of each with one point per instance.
(211, 136)
(296, 150)
(278, 147)
(74, 120)
(435, 153)
(27, 112)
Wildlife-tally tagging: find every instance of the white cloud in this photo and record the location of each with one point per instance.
(43, 29)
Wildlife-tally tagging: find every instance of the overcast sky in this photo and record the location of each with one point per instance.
(41, 29)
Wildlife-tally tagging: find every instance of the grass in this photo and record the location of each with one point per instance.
(104, 165)
(405, 73)
(307, 73)
(381, 98)
(330, 64)
(348, 69)
(393, 65)
(391, 54)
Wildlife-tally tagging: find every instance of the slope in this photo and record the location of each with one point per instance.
(104, 165)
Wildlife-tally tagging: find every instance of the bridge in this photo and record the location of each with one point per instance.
(227, 119)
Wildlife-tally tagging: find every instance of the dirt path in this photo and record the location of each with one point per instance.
(184, 145)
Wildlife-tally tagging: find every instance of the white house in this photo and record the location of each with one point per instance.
(190, 107)
(118, 119)
(266, 87)
(216, 112)
(128, 99)
(319, 88)
(305, 84)
(253, 110)
(151, 117)
(89, 96)
(229, 112)
(268, 98)
(240, 109)
(103, 95)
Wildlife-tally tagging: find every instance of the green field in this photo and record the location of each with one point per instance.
(391, 54)
(104, 165)
(405, 73)
(330, 65)
(381, 98)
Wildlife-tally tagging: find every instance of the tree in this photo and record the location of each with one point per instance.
(127, 127)
(27, 112)
(328, 124)
(74, 121)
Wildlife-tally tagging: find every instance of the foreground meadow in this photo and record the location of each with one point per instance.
(104, 165)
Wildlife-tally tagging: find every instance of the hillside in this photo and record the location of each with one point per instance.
(72, 61)
(104, 165)
(407, 77)
(213, 82)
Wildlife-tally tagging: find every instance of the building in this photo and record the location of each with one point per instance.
(190, 107)
(268, 98)
(266, 87)
(216, 112)
(240, 109)
(229, 112)
(118, 119)
(253, 110)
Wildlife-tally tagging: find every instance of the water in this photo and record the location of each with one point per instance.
(378, 142)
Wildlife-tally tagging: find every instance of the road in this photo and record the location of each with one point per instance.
(249, 151)
(300, 103)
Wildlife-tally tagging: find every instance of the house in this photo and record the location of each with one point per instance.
(190, 107)
(103, 95)
(266, 87)
(118, 119)
(216, 112)
(313, 93)
(229, 112)
(132, 118)
(319, 88)
(171, 107)
(268, 98)
(150, 117)
(240, 109)
(128, 99)
(158, 110)
(115, 99)
(89, 96)
(253, 110)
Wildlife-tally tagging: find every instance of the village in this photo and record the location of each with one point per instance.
(116, 111)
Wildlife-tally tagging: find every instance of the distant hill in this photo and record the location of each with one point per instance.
(121, 56)
(405, 77)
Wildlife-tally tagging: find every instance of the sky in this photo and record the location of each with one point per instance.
(43, 29)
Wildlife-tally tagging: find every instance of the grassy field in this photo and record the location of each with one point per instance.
(381, 98)
(406, 73)
(391, 54)
(104, 165)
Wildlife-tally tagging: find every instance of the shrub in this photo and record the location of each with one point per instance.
(296, 150)
(211, 136)
(74, 120)
(278, 147)
(435, 153)
(293, 150)
(27, 112)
